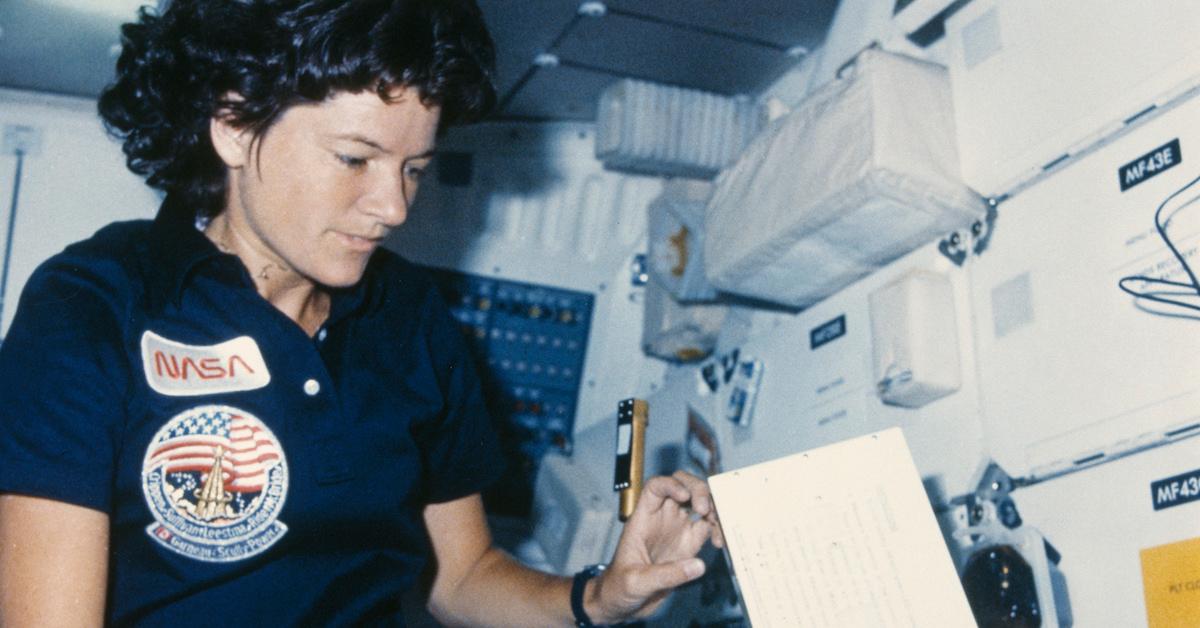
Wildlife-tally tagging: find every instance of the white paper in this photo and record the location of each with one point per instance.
(839, 536)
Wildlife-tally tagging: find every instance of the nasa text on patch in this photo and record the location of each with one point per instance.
(1176, 491)
(179, 370)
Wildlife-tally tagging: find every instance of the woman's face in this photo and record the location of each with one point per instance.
(326, 183)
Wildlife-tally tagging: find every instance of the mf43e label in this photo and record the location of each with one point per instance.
(1176, 491)
(1151, 164)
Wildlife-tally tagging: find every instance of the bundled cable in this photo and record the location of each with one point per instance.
(1190, 288)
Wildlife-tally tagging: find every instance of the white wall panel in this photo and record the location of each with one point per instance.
(1076, 376)
(1035, 80)
(76, 183)
(812, 397)
(1071, 366)
(1100, 519)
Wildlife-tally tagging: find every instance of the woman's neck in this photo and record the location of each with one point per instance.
(298, 297)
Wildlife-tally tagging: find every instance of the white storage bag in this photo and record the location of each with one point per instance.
(676, 255)
(863, 171)
(678, 332)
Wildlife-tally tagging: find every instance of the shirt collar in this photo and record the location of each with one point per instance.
(366, 295)
(179, 247)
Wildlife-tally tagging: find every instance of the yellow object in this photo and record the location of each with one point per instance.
(629, 496)
(1171, 582)
(679, 243)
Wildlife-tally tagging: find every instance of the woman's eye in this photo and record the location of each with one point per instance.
(352, 162)
(414, 172)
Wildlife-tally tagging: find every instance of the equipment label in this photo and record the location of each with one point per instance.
(1171, 583)
(1175, 491)
(827, 332)
(1152, 163)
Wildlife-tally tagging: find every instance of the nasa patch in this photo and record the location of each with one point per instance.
(215, 479)
(179, 370)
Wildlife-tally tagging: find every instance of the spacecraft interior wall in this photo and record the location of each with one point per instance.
(1035, 81)
(809, 397)
(1071, 368)
(818, 386)
(532, 204)
(1102, 519)
(73, 182)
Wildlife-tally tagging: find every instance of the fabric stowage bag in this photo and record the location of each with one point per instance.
(676, 237)
(863, 171)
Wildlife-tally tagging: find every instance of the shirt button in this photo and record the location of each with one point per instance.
(321, 334)
(312, 387)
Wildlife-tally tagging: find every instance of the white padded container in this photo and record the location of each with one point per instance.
(862, 172)
(663, 130)
(676, 250)
(914, 339)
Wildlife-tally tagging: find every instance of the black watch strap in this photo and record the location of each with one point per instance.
(577, 585)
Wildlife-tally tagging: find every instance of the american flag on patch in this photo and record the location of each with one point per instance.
(192, 444)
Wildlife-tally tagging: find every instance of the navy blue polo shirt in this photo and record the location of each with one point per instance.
(252, 474)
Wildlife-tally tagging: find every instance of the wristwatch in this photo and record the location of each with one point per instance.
(577, 585)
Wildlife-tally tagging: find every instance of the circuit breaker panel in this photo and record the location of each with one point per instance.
(529, 343)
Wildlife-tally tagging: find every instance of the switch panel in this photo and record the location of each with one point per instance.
(529, 343)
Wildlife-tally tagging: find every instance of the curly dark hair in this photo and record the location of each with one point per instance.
(250, 60)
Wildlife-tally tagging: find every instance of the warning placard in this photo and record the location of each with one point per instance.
(1171, 579)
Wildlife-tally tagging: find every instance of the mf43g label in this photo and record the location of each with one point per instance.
(1151, 164)
(1176, 491)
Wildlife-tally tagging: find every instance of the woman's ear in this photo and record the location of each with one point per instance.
(231, 143)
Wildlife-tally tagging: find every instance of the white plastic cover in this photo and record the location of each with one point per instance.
(862, 172)
(677, 332)
(914, 340)
(676, 259)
